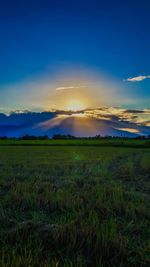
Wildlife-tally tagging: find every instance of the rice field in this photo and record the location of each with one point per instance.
(74, 206)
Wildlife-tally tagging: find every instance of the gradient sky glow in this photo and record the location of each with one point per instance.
(47, 45)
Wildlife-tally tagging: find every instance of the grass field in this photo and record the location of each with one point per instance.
(74, 205)
(113, 142)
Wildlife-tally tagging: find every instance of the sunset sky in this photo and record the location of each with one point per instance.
(74, 55)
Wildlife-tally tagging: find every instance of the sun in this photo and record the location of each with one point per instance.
(75, 105)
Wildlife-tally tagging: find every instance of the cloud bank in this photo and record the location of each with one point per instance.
(102, 121)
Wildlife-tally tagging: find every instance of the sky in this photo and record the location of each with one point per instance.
(74, 54)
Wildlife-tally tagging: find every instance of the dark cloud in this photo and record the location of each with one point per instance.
(134, 111)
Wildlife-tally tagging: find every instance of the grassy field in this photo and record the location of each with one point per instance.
(113, 142)
(74, 206)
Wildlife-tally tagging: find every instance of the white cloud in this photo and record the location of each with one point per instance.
(138, 78)
(67, 87)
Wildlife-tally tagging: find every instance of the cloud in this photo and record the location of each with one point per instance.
(68, 87)
(89, 122)
(115, 114)
(138, 78)
(130, 130)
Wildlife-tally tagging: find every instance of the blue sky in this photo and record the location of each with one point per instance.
(38, 38)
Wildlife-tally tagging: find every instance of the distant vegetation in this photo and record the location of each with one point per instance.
(68, 137)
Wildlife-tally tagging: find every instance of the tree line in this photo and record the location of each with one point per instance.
(70, 137)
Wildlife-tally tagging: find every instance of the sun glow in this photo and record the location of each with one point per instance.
(75, 105)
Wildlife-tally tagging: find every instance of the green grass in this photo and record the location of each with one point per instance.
(114, 142)
(74, 206)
